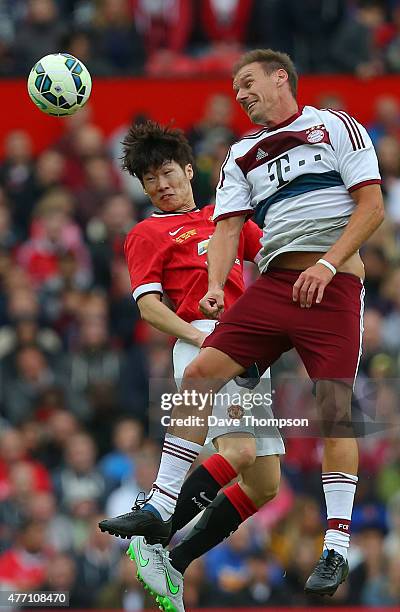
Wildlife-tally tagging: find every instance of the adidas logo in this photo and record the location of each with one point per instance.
(261, 154)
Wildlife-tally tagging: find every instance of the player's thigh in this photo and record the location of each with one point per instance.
(261, 480)
(212, 364)
(183, 353)
(328, 335)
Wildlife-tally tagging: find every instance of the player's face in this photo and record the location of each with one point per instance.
(258, 92)
(169, 186)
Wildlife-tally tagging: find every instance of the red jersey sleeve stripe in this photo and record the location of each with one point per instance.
(234, 213)
(364, 183)
(147, 288)
(347, 128)
(355, 126)
(345, 118)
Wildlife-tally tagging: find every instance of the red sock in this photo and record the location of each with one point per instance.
(220, 469)
(239, 500)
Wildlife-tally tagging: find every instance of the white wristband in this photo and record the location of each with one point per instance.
(328, 265)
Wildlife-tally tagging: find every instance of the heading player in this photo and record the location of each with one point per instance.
(166, 254)
(311, 179)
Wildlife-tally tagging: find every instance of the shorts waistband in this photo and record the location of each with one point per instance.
(292, 272)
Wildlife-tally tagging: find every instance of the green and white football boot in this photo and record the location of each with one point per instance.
(158, 576)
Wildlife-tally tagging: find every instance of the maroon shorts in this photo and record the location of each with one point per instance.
(265, 322)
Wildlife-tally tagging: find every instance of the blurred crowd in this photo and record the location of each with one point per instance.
(185, 37)
(75, 362)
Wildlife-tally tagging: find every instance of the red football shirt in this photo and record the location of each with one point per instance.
(167, 253)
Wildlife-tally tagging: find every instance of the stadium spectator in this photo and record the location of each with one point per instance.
(119, 464)
(100, 183)
(53, 233)
(23, 566)
(24, 381)
(42, 507)
(39, 34)
(141, 479)
(387, 119)
(364, 58)
(165, 26)
(308, 30)
(116, 38)
(62, 575)
(122, 591)
(79, 479)
(82, 141)
(97, 560)
(16, 173)
(107, 231)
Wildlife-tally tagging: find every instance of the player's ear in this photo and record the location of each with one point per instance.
(281, 77)
(189, 171)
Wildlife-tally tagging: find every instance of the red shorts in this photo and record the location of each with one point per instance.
(265, 322)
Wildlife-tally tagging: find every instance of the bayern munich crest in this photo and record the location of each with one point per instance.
(315, 136)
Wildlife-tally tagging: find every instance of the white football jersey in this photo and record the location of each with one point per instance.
(296, 180)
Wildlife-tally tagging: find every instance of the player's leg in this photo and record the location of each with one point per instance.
(339, 481)
(162, 573)
(203, 484)
(237, 443)
(182, 445)
(242, 337)
(330, 350)
(235, 453)
(250, 331)
(257, 485)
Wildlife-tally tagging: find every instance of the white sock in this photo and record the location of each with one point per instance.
(339, 489)
(176, 460)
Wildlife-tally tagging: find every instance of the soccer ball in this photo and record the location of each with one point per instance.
(59, 84)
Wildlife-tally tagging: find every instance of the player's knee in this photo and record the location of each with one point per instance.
(241, 458)
(261, 493)
(198, 368)
(269, 492)
(334, 405)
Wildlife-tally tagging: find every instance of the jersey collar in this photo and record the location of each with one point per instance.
(288, 121)
(161, 213)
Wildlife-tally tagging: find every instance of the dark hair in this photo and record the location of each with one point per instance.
(149, 145)
(271, 60)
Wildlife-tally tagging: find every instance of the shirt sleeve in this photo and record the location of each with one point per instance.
(233, 191)
(145, 264)
(357, 160)
(251, 234)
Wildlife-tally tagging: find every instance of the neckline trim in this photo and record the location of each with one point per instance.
(288, 121)
(161, 213)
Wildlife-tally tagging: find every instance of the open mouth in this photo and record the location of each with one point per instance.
(250, 106)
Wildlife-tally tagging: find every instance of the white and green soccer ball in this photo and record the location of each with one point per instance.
(59, 84)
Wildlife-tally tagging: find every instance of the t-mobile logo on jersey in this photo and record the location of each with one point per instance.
(278, 173)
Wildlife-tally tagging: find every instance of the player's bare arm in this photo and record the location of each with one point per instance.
(221, 255)
(366, 218)
(161, 317)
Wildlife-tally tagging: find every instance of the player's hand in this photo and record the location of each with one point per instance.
(212, 304)
(311, 283)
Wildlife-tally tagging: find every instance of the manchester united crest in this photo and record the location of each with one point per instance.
(235, 412)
